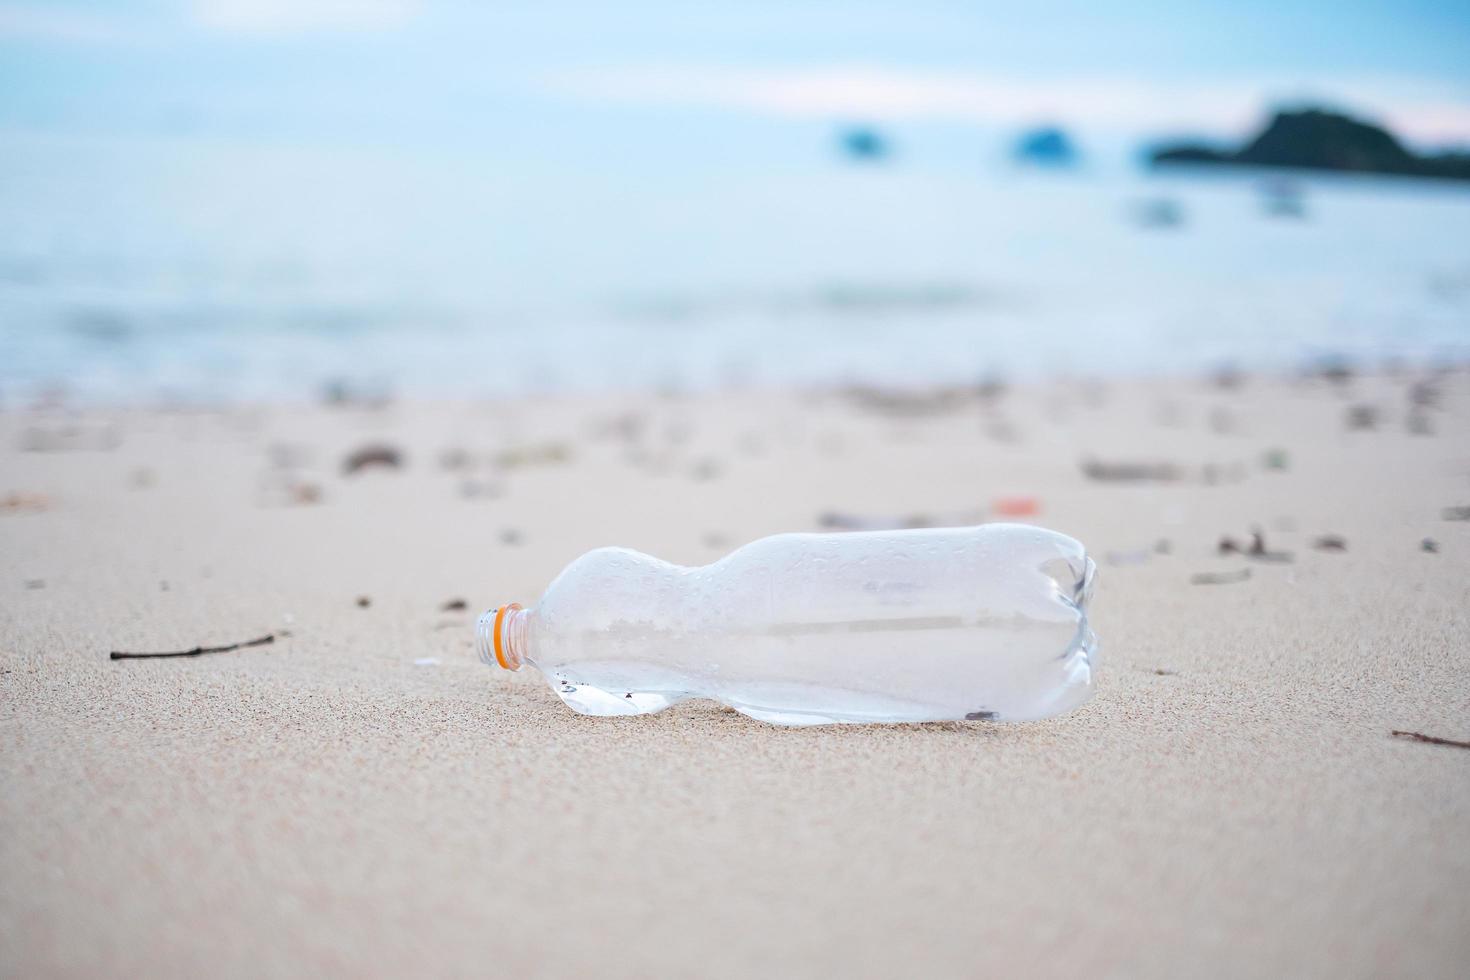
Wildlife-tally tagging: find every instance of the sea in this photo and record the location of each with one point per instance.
(193, 270)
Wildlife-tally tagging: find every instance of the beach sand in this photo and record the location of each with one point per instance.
(363, 797)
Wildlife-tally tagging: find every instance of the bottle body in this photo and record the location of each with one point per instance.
(986, 622)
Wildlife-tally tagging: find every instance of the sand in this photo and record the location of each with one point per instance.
(1231, 803)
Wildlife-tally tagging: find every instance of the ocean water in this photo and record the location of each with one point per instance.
(203, 270)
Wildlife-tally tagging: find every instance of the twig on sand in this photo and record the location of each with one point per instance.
(385, 456)
(1257, 548)
(1431, 739)
(1220, 578)
(842, 521)
(259, 641)
(1130, 471)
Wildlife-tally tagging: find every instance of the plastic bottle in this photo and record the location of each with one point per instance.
(985, 623)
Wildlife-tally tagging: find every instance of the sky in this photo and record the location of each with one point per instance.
(560, 78)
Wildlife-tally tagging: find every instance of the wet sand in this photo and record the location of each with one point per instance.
(362, 796)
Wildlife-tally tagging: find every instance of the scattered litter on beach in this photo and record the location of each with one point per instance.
(540, 454)
(364, 601)
(1015, 507)
(1360, 417)
(841, 521)
(1330, 542)
(1455, 513)
(1220, 578)
(511, 536)
(714, 539)
(1260, 552)
(70, 438)
(1163, 547)
(1419, 424)
(142, 478)
(454, 605)
(902, 403)
(35, 583)
(1424, 394)
(1333, 369)
(426, 662)
(200, 650)
(1276, 459)
(25, 503)
(1256, 549)
(1163, 672)
(305, 493)
(1130, 472)
(838, 521)
(1430, 545)
(377, 456)
(277, 490)
(1431, 739)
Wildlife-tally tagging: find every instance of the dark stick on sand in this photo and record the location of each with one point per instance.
(1431, 739)
(197, 651)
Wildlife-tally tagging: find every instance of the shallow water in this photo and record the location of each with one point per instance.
(205, 270)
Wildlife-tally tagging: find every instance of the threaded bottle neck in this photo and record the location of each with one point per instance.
(500, 636)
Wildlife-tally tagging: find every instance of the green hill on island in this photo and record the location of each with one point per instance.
(1316, 139)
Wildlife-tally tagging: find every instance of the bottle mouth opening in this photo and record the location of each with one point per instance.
(490, 638)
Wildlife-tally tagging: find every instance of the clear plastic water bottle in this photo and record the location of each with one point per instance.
(977, 623)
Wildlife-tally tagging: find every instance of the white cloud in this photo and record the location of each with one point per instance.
(302, 16)
(84, 25)
(1420, 110)
(71, 26)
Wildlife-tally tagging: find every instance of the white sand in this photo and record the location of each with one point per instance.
(327, 805)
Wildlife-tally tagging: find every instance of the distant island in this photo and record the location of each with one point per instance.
(864, 143)
(1316, 139)
(1048, 146)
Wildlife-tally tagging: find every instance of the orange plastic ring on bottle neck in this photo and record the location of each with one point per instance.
(499, 643)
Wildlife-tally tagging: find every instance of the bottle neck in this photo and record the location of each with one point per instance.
(500, 636)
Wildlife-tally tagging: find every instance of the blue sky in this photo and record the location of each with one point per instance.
(439, 72)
